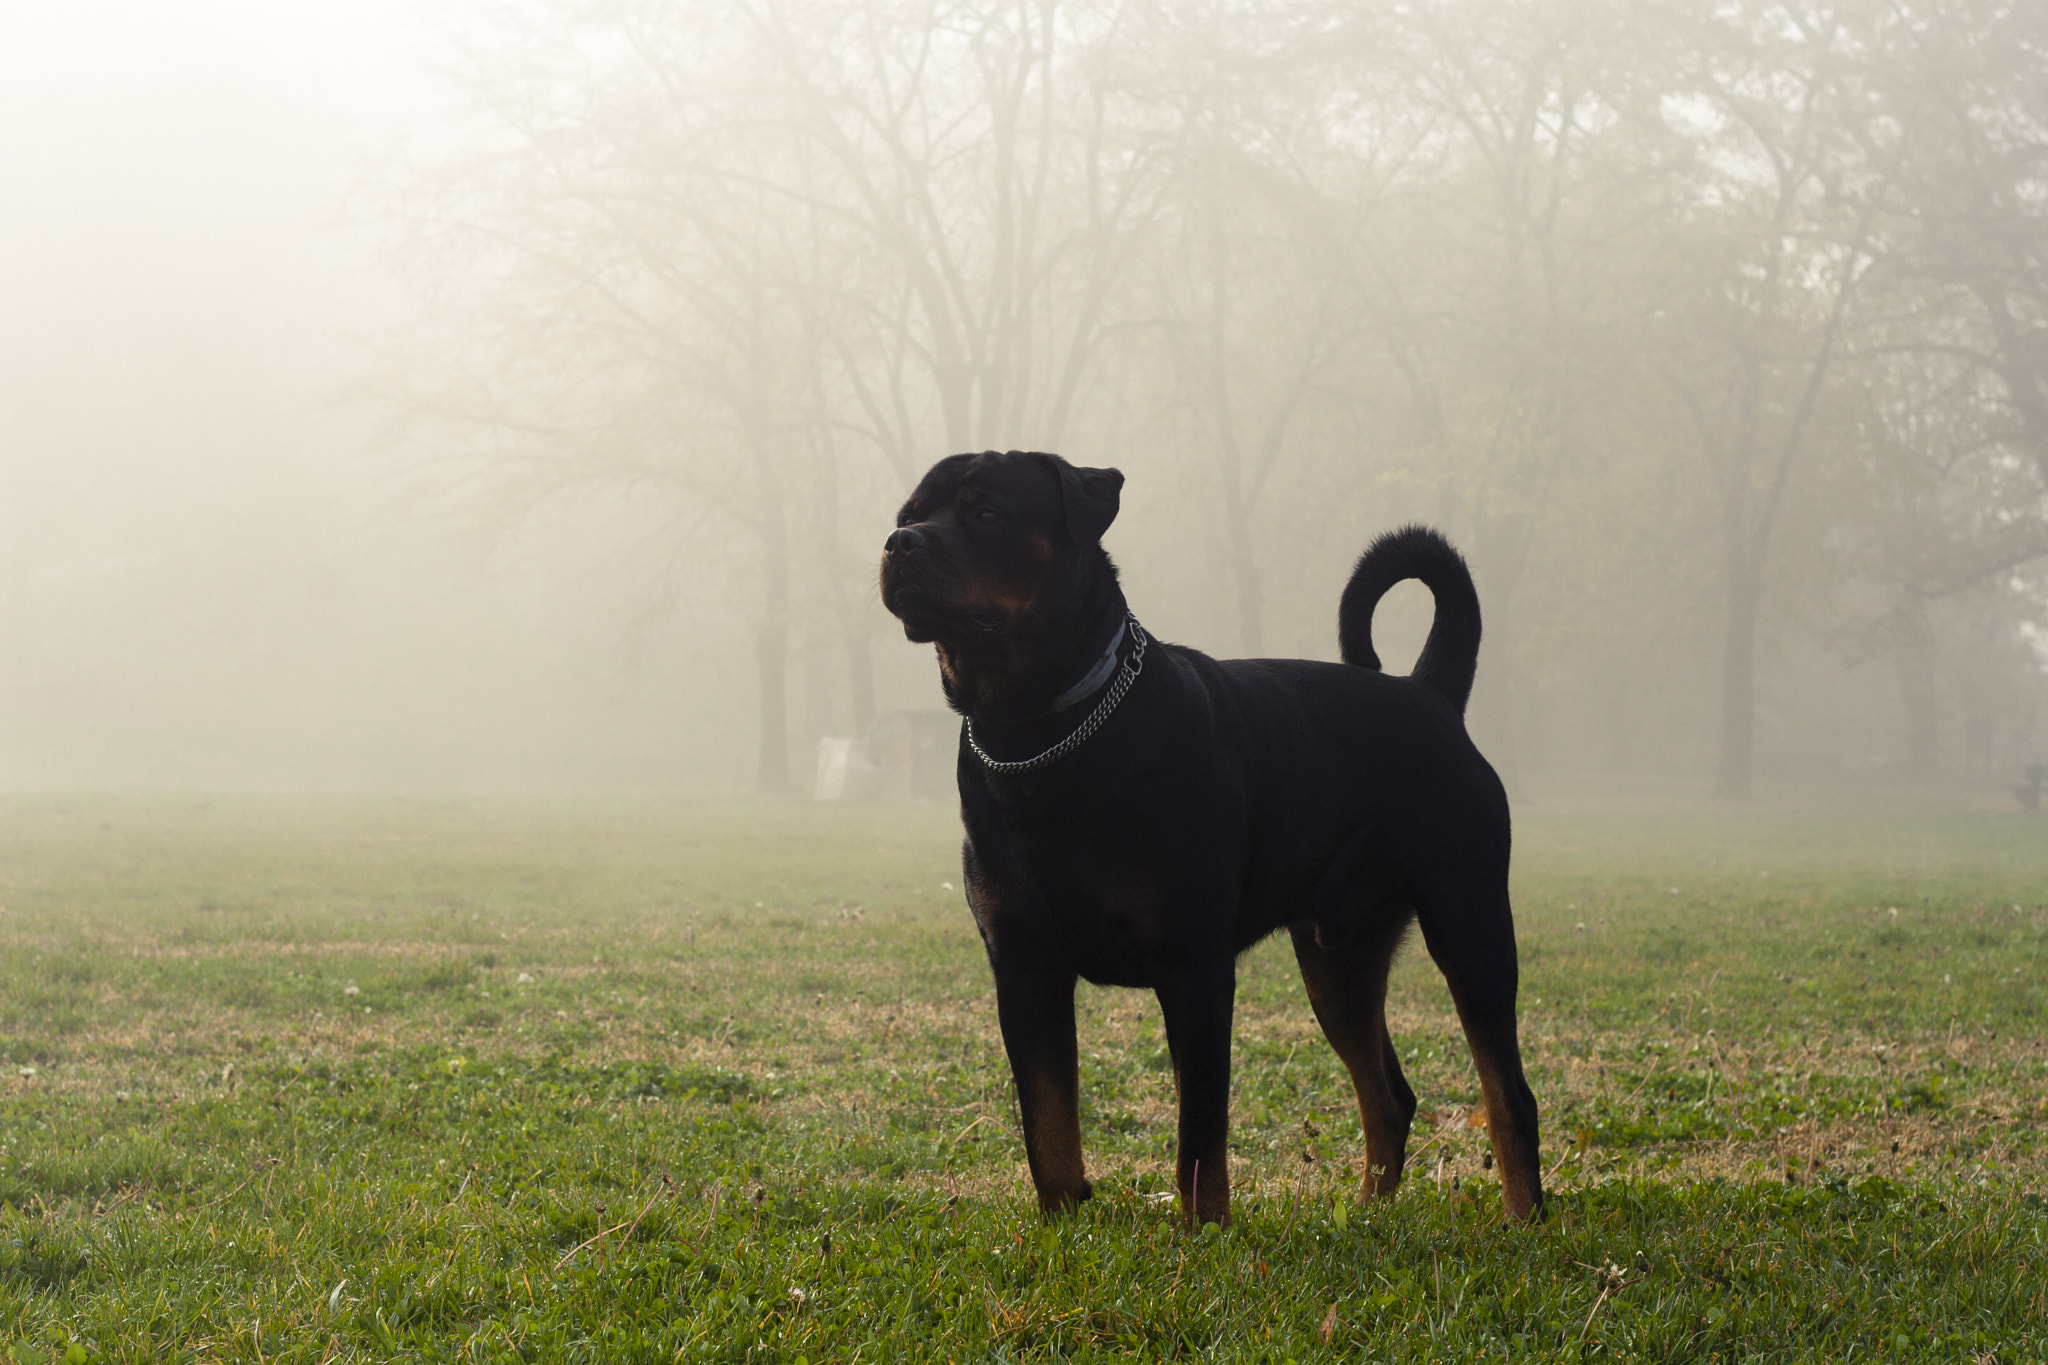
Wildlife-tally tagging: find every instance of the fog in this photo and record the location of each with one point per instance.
(514, 399)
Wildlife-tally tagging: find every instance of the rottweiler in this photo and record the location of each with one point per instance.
(1138, 814)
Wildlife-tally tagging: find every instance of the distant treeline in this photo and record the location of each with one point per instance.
(1716, 333)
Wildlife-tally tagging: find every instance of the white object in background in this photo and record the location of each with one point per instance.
(833, 757)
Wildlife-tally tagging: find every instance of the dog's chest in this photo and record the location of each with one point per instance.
(1111, 921)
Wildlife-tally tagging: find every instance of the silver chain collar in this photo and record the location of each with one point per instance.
(1128, 674)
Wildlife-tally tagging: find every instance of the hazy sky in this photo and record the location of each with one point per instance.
(176, 177)
(194, 145)
(209, 576)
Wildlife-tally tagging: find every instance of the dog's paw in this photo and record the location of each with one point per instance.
(1065, 1201)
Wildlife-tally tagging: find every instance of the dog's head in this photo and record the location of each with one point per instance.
(992, 552)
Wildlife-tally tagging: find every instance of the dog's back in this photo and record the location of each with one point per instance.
(1349, 773)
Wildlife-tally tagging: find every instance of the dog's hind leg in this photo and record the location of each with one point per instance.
(1348, 989)
(1035, 1005)
(1471, 934)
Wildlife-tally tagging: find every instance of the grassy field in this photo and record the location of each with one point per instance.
(313, 1080)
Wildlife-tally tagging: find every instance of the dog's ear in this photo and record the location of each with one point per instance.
(1090, 497)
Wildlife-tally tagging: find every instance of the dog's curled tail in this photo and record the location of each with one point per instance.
(1451, 654)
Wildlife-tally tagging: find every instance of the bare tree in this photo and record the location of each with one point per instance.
(1783, 213)
(1509, 291)
(1256, 287)
(994, 176)
(633, 313)
(1539, 274)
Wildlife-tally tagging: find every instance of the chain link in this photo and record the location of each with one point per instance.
(1128, 674)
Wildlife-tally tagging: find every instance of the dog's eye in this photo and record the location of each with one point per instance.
(987, 516)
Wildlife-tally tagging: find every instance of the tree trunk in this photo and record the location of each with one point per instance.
(1499, 553)
(1490, 714)
(771, 662)
(1244, 568)
(1923, 726)
(1230, 461)
(860, 669)
(771, 636)
(853, 636)
(1732, 779)
(1914, 665)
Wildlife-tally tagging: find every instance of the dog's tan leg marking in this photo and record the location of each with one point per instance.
(1510, 1114)
(1471, 934)
(1209, 1187)
(1348, 992)
(1035, 1005)
(1053, 1137)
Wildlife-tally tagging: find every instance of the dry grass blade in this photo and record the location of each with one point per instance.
(627, 1227)
(255, 1171)
(1588, 1326)
(962, 1134)
(130, 1193)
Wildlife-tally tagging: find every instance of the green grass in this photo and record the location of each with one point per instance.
(318, 1080)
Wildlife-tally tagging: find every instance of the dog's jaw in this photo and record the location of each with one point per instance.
(913, 610)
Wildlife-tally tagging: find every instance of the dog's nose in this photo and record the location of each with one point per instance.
(903, 540)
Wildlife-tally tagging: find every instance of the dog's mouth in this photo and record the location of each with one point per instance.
(929, 611)
(926, 617)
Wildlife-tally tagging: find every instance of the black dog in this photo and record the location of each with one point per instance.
(1139, 814)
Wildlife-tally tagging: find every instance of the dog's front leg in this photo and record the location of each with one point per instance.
(1035, 1004)
(1197, 1003)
